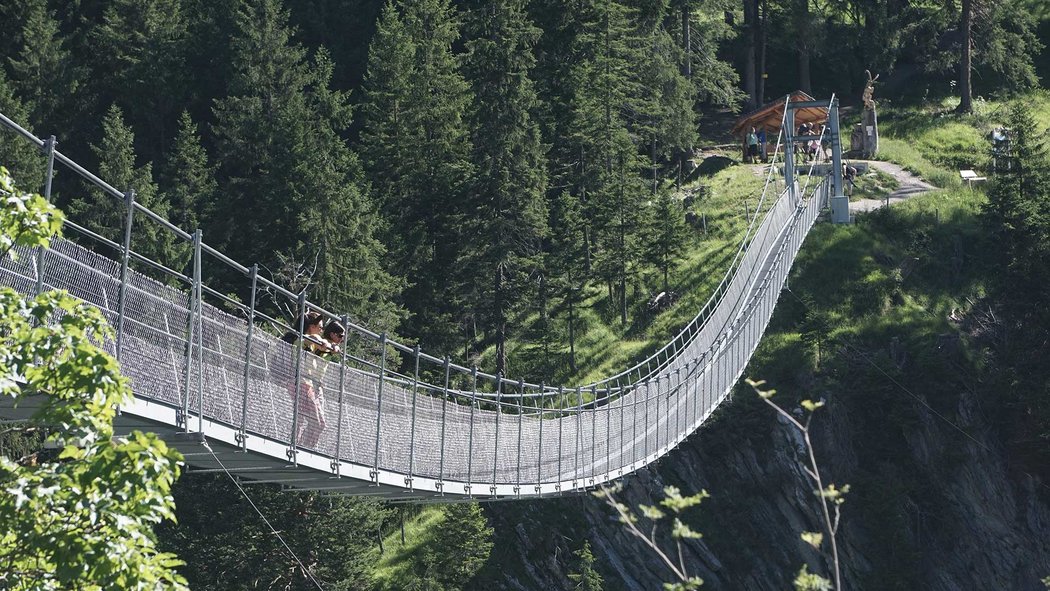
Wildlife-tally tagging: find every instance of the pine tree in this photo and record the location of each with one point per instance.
(668, 234)
(140, 64)
(389, 134)
(105, 214)
(421, 166)
(606, 92)
(462, 544)
(510, 213)
(187, 179)
(566, 261)
(259, 125)
(18, 156)
(287, 168)
(585, 577)
(1018, 200)
(44, 70)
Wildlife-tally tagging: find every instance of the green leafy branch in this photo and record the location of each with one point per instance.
(85, 520)
(672, 505)
(830, 496)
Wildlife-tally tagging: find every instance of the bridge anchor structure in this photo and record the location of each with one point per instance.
(211, 376)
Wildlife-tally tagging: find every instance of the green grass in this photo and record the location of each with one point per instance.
(394, 566)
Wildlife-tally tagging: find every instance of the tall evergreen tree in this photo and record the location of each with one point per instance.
(510, 212)
(188, 181)
(424, 197)
(105, 214)
(566, 262)
(140, 64)
(18, 156)
(286, 168)
(667, 235)
(44, 71)
(586, 577)
(607, 92)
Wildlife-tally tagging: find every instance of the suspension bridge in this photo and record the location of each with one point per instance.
(399, 423)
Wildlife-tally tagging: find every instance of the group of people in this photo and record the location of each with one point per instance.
(322, 341)
(811, 148)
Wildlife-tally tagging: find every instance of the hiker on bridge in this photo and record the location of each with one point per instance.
(308, 392)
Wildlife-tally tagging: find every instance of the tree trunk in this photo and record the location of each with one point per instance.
(572, 329)
(501, 323)
(760, 75)
(749, 66)
(804, 81)
(966, 59)
(686, 42)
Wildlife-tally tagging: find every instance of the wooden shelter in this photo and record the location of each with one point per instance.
(767, 118)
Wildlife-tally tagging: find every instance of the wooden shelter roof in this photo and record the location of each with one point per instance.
(770, 115)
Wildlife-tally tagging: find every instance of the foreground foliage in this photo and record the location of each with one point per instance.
(83, 519)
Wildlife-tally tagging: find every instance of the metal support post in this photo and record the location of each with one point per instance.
(298, 349)
(49, 150)
(608, 430)
(634, 425)
(499, 411)
(242, 438)
(412, 429)
(470, 433)
(521, 396)
(125, 255)
(789, 152)
(646, 447)
(561, 436)
(337, 462)
(839, 201)
(444, 415)
(379, 404)
(579, 435)
(594, 430)
(199, 286)
(658, 415)
(539, 451)
(619, 396)
(194, 306)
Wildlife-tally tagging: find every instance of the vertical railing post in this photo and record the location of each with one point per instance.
(678, 398)
(659, 395)
(608, 430)
(539, 450)
(190, 329)
(125, 255)
(444, 414)
(579, 435)
(198, 284)
(561, 436)
(379, 404)
(634, 424)
(299, 351)
(242, 436)
(49, 175)
(412, 427)
(594, 431)
(789, 151)
(623, 441)
(470, 432)
(646, 449)
(521, 396)
(499, 411)
(338, 461)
